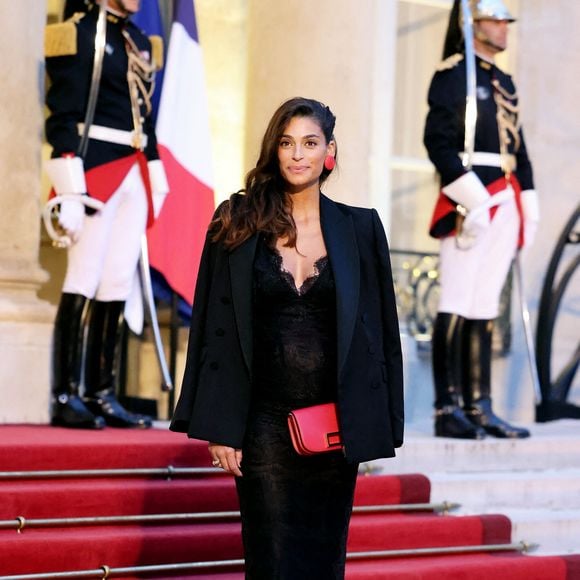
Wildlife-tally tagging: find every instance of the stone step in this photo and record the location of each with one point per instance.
(544, 506)
(550, 489)
(557, 532)
(554, 445)
(535, 481)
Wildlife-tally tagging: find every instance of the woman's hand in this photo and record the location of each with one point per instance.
(228, 458)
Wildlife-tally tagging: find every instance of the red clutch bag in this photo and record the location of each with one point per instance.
(315, 429)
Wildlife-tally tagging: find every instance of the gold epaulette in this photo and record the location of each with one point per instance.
(156, 51)
(61, 39)
(450, 61)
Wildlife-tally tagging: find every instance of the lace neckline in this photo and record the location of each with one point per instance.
(308, 282)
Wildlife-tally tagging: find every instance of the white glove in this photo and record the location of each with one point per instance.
(469, 192)
(531, 211)
(67, 176)
(71, 216)
(477, 221)
(159, 184)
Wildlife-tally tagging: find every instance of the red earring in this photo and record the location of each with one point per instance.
(329, 162)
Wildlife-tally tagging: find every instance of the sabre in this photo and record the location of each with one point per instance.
(471, 95)
(63, 240)
(100, 43)
(147, 287)
(465, 242)
(528, 330)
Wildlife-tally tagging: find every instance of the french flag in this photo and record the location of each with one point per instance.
(176, 239)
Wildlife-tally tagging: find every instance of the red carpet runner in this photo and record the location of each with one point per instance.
(85, 547)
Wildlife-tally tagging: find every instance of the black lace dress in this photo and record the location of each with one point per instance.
(295, 510)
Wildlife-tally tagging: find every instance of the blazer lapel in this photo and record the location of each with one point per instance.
(340, 239)
(241, 262)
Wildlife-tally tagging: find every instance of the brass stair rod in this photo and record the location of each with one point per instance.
(107, 572)
(168, 472)
(443, 507)
(21, 523)
(524, 547)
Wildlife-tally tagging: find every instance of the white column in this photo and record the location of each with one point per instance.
(382, 95)
(25, 321)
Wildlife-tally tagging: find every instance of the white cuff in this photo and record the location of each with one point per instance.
(467, 190)
(157, 177)
(66, 174)
(530, 205)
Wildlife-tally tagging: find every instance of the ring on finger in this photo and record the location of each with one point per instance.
(215, 462)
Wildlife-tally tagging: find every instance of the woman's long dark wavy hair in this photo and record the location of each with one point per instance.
(265, 208)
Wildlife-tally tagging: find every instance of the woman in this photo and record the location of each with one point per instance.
(294, 306)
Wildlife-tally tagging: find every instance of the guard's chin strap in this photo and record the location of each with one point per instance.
(125, 9)
(483, 38)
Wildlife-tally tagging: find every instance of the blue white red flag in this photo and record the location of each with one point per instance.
(183, 135)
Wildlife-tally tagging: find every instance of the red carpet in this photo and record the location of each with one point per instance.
(396, 489)
(24, 447)
(59, 549)
(463, 567)
(399, 532)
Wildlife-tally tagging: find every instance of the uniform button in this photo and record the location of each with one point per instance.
(220, 332)
(214, 366)
(225, 300)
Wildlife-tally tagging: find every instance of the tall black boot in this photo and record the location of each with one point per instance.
(68, 409)
(450, 420)
(477, 382)
(100, 367)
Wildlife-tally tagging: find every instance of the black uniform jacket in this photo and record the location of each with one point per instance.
(445, 125)
(70, 82)
(216, 391)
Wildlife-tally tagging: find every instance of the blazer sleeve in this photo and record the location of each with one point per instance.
(184, 407)
(391, 335)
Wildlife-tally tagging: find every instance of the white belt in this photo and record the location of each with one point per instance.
(110, 135)
(492, 160)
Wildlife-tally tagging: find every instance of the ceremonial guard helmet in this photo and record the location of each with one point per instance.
(480, 10)
(490, 10)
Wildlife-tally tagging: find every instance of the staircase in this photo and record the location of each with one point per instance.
(535, 481)
(146, 504)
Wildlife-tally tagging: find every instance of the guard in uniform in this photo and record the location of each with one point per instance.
(483, 217)
(122, 169)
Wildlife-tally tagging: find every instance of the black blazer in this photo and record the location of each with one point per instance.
(216, 389)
